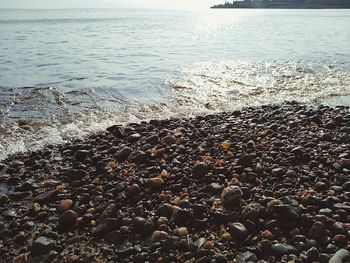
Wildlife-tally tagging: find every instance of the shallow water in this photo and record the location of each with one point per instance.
(67, 73)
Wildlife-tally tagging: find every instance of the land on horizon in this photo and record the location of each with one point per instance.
(297, 4)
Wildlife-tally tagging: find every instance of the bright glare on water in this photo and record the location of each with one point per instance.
(67, 73)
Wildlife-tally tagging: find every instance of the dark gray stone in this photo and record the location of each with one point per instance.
(42, 245)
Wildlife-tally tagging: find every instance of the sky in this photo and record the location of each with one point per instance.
(163, 4)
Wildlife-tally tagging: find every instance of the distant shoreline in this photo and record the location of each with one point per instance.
(315, 8)
(298, 8)
(264, 4)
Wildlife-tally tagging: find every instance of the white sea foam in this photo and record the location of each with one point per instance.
(201, 89)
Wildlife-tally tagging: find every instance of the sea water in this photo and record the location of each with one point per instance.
(65, 74)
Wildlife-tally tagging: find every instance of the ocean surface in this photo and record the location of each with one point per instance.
(65, 74)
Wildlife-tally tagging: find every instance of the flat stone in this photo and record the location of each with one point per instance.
(42, 245)
(106, 226)
(283, 249)
(46, 197)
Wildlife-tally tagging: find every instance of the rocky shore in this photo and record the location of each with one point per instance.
(267, 184)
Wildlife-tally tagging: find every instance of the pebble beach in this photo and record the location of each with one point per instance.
(263, 184)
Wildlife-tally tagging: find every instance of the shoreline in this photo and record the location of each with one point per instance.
(262, 183)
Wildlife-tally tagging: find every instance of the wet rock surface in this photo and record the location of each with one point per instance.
(267, 184)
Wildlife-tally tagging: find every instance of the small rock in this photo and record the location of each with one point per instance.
(42, 245)
(345, 163)
(216, 188)
(127, 251)
(283, 249)
(209, 244)
(267, 234)
(298, 151)
(247, 257)
(203, 259)
(251, 211)
(182, 231)
(124, 153)
(182, 217)
(225, 144)
(9, 214)
(106, 226)
(200, 170)
(81, 155)
(238, 231)
(287, 211)
(74, 174)
(65, 205)
(159, 235)
(245, 161)
(46, 197)
(231, 196)
(324, 258)
(114, 237)
(340, 239)
(155, 182)
(226, 236)
(277, 171)
(153, 139)
(318, 231)
(17, 163)
(139, 157)
(68, 219)
(109, 211)
(273, 203)
(313, 254)
(342, 207)
(117, 130)
(36, 208)
(133, 137)
(170, 139)
(4, 199)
